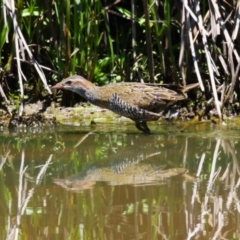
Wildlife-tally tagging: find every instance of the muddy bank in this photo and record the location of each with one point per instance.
(37, 115)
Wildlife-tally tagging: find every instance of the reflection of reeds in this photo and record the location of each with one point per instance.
(83, 138)
(216, 206)
(4, 160)
(25, 195)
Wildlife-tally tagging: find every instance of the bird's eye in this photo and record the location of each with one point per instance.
(68, 83)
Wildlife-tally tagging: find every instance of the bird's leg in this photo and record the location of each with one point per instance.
(142, 126)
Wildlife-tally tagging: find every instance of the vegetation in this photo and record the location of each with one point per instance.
(109, 41)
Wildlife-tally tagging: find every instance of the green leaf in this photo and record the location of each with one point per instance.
(3, 36)
(124, 11)
(34, 11)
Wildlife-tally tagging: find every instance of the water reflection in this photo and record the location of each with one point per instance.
(133, 166)
(25, 193)
(123, 186)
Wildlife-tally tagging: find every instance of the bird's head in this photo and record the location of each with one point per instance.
(76, 84)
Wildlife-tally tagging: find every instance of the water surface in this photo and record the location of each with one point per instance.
(112, 182)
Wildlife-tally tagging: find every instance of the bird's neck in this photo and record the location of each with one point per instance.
(97, 96)
(90, 93)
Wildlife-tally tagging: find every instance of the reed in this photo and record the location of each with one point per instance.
(108, 43)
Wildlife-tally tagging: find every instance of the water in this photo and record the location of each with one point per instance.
(112, 182)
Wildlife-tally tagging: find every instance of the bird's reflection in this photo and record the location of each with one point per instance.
(141, 166)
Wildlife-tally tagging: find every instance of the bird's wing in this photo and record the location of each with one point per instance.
(150, 96)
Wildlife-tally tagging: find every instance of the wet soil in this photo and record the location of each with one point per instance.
(37, 115)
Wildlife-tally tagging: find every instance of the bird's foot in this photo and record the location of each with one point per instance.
(142, 126)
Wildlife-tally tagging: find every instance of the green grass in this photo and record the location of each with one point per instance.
(92, 39)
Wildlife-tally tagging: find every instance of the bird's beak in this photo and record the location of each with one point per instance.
(58, 86)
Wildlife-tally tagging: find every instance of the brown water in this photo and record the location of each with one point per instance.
(112, 182)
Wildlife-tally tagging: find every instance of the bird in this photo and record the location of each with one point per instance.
(141, 102)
